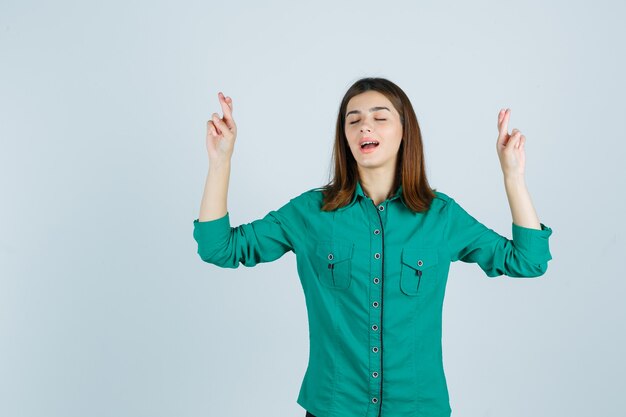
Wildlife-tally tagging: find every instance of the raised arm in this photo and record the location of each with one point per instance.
(510, 149)
(262, 240)
(528, 253)
(220, 142)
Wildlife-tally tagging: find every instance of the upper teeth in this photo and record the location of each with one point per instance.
(366, 143)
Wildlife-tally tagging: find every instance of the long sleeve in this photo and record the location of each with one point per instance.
(262, 240)
(468, 240)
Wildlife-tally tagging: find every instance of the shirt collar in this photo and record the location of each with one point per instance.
(359, 193)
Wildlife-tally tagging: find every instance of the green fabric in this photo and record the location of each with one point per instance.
(346, 260)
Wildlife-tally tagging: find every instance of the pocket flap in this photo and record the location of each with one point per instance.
(420, 258)
(334, 252)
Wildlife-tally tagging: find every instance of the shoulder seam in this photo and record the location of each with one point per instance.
(442, 196)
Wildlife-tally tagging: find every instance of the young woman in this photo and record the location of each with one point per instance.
(373, 249)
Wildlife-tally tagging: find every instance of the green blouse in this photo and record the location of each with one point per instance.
(374, 324)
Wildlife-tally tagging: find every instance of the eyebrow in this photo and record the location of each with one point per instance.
(371, 110)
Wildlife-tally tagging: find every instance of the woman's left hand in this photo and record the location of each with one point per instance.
(510, 147)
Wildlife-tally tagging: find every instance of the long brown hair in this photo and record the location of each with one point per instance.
(410, 169)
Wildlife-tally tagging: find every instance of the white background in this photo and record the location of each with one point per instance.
(107, 310)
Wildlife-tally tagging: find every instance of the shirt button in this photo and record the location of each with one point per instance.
(376, 280)
(375, 303)
(374, 327)
(381, 207)
(376, 232)
(330, 256)
(375, 349)
(375, 374)
(377, 255)
(374, 400)
(420, 263)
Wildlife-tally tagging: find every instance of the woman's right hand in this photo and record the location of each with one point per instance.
(221, 133)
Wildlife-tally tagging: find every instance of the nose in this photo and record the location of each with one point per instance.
(365, 127)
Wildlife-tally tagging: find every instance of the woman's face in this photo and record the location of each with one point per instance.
(370, 116)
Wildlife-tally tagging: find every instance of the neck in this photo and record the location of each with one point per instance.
(377, 183)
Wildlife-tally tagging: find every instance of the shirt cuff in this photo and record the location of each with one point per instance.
(211, 233)
(533, 243)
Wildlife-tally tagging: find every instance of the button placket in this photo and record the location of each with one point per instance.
(376, 301)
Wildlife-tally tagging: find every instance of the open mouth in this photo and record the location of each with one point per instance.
(369, 145)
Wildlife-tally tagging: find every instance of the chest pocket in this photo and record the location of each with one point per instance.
(419, 270)
(333, 262)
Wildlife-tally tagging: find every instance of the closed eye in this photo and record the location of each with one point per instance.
(357, 121)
